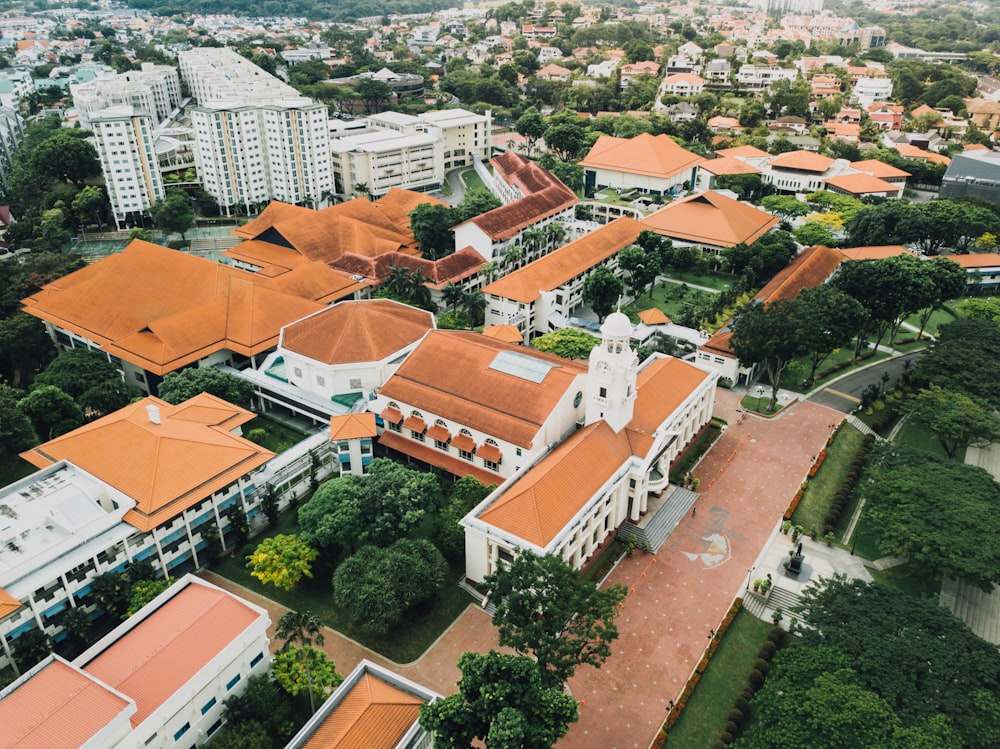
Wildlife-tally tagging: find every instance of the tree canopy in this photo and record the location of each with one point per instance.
(956, 419)
(90, 379)
(52, 412)
(545, 609)
(179, 386)
(282, 560)
(173, 213)
(601, 290)
(767, 335)
(569, 343)
(431, 225)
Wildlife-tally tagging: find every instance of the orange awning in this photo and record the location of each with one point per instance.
(438, 458)
(464, 442)
(415, 423)
(392, 415)
(489, 452)
(438, 433)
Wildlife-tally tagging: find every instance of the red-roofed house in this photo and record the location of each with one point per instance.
(797, 171)
(654, 164)
(683, 84)
(710, 221)
(633, 70)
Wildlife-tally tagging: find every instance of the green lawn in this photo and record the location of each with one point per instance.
(711, 279)
(909, 578)
(818, 497)
(836, 364)
(403, 644)
(938, 318)
(914, 435)
(760, 405)
(669, 298)
(705, 714)
(472, 180)
(279, 437)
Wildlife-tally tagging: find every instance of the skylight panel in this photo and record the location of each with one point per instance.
(521, 365)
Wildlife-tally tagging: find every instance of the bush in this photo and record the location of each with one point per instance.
(257, 436)
(742, 705)
(718, 745)
(831, 518)
(725, 382)
(828, 529)
(755, 677)
(749, 692)
(769, 648)
(726, 738)
(731, 728)
(761, 665)
(735, 717)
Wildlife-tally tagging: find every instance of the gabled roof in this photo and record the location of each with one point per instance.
(544, 196)
(58, 706)
(469, 392)
(161, 309)
(507, 333)
(712, 218)
(162, 652)
(661, 387)
(743, 152)
(646, 154)
(909, 151)
(879, 169)
(352, 426)
(803, 161)
(878, 252)
(812, 267)
(728, 165)
(553, 270)
(653, 316)
(166, 467)
(357, 331)
(862, 184)
(453, 268)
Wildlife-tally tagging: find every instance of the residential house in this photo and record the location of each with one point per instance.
(984, 114)
(633, 70)
(653, 164)
(682, 112)
(553, 72)
(717, 71)
(683, 84)
(886, 116)
(762, 76)
(720, 123)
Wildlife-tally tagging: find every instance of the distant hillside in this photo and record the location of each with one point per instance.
(344, 10)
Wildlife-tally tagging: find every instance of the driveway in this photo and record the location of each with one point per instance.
(844, 394)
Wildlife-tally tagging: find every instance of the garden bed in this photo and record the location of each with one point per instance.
(822, 487)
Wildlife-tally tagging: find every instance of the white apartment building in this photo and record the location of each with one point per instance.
(125, 140)
(256, 138)
(11, 135)
(154, 90)
(762, 76)
(14, 84)
(869, 91)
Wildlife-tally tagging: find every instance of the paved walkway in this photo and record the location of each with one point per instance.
(678, 595)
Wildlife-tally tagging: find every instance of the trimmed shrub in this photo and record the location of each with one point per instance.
(761, 665)
(726, 738)
(736, 717)
(831, 518)
(755, 677)
(731, 728)
(749, 692)
(828, 529)
(742, 705)
(769, 648)
(718, 745)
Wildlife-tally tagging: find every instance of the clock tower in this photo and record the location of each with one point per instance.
(612, 375)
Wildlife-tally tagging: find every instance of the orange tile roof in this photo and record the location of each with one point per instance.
(879, 169)
(661, 388)
(157, 657)
(744, 152)
(464, 442)
(569, 261)
(452, 268)
(468, 392)
(651, 155)
(912, 152)
(712, 218)
(8, 604)
(924, 109)
(373, 715)
(544, 196)
(975, 147)
(653, 316)
(352, 426)
(58, 707)
(684, 78)
(984, 260)
(392, 415)
(170, 309)
(728, 165)
(873, 253)
(722, 122)
(508, 333)
(812, 267)
(803, 161)
(862, 184)
(439, 434)
(489, 452)
(166, 467)
(433, 456)
(415, 423)
(357, 331)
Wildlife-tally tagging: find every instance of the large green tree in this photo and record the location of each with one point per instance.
(546, 610)
(262, 703)
(569, 343)
(431, 225)
(179, 386)
(827, 319)
(964, 357)
(768, 335)
(602, 290)
(24, 347)
(17, 433)
(380, 508)
(282, 560)
(449, 535)
(52, 412)
(65, 155)
(954, 418)
(945, 281)
(501, 702)
(173, 213)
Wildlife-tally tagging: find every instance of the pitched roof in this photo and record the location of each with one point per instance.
(906, 150)
(862, 184)
(569, 261)
(352, 426)
(812, 267)
(878, 168)
(471, 393)
(166, 467)
(661, 387)
(453, 268)
(728, 165)
(653, 316)
(508, 333)
(58, 706)
(744, 152)
(982, 260)
(169, 309)
(873, 253)
(544, 196)
(712, 218)
(374, 714)
(684, 78)
(434, 457)
(651, 155)
(159, 655)
(8, 604)
(357, 331)
(803, 161)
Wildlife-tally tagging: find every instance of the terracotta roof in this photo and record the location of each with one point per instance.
(684, 78)
(878, 168)
(538, 506)
(489, 452)
(661, 387)
(845, 130)
(357, 331)
(569, 261)
(415, 423)
(464, 442)
(743, 152)
(166, 467)
(722, 122)
(432, 456)
(170, 309)
(984, 260)
(452, 268)
(553, 69)
(544, 196)
(157, 657)
(373, 715)
(439, 434)
(352, 426)
(924, 109)
(651, 155)
(8, 604)
(913, 152)
(508, 333)
(469, 392)
(653, 316)
(728, 165)
(712, 218)
(862, 184)
(803, 161)
(982, 106)
(392, 415)
(59, 706)
(975, 147)
(812, 267)
(873, 253)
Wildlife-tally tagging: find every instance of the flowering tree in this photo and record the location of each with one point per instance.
(282, 560)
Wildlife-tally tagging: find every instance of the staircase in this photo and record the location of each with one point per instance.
(779, 598)
(652, 531)
(858, 424)
(981, 611)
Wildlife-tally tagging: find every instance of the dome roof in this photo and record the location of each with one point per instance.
(616, 325)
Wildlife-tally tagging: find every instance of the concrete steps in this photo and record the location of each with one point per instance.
(652, 532)
(779, 598)
(980, 610)
(858, 424)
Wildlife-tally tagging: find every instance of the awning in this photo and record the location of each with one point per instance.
(438, 433)
(464, 442)
(489, 452)
(392, 415)
(416, 424)
(439, 458)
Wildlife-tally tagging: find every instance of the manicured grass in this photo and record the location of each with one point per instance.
(938, 318)
(906, 344)
(760, 405)
(909, 578)
(472, 180)
(912, 434)
(279, 437)
(711, 279)
(404, 643)
(14, 468)
(669, 298)
(705, 714)
(824, 485)
(835, 365)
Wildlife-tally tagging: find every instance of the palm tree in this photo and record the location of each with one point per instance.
(303, 628)
(475, 305)
(490, 269)
(555, 233)
(533, 238)
(419, 293)
(452, 295)
(513, 255)
(362, 188)
(397, 282)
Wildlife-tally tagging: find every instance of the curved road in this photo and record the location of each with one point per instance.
(845, 393)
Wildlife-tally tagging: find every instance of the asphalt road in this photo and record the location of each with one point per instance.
(843, 395)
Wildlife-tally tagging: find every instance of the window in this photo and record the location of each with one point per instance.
(602, 393)
(490, 465)
(214, 727)
(465, 455)
(150, 740)
(577, 399)
(181, 731)
(208, 706)
(232, 682)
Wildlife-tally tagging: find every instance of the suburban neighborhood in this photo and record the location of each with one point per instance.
(510, 374)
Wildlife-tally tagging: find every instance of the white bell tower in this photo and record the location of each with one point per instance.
(612, 375)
